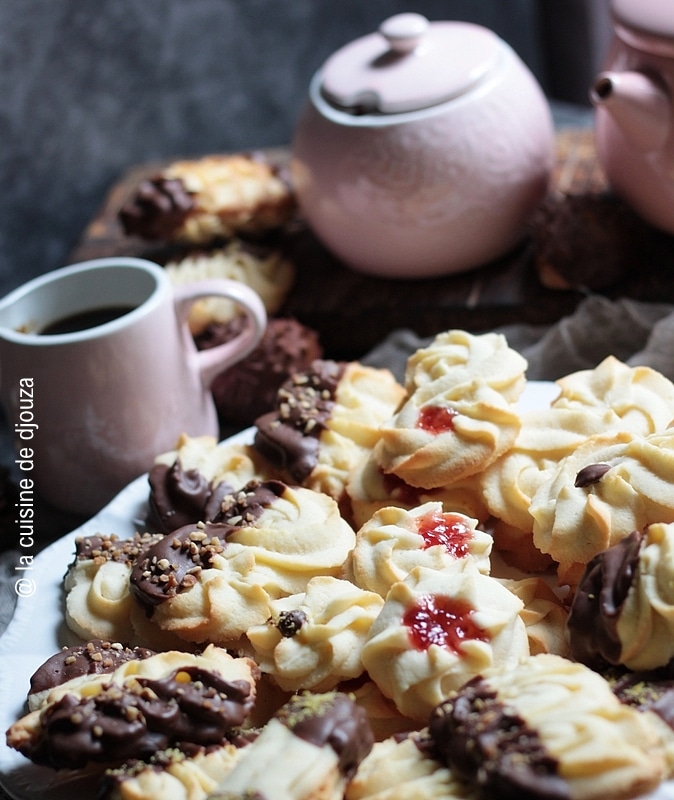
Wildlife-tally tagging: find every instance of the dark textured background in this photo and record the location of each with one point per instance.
(88, 89)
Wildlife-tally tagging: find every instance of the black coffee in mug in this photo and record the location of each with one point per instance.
(83, 320)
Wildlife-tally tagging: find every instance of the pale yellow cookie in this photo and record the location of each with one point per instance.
(641, 397)
(544, 614)
(404, 769)
(313, 640)
(609, 487)
(465, 356)
(395, 540)
(438, 629)
(446, 432)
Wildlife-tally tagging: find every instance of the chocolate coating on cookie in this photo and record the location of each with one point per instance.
(173, 563)
(246, 506)
(649, 690)
(103, 548)
(93, 658)
(158, 208)
(180, 497)
(593, 618)
(141, 717)
(289, 436)
(488, 743)
(331, 719)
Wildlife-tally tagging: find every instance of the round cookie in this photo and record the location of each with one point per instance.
(465, 356)
(212, 581)
(309, 750)
(446, 432)
(188, 484)
(438, 628)
(609, 487)
(395, 540)
(313, 640)
(247, 390)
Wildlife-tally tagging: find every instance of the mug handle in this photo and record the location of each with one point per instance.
(210, 363)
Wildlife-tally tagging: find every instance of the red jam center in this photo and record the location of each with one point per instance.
(441, 620)
(436, 419)
(450, 531)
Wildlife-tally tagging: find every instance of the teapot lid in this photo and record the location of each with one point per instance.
(645, 24)
(409, 64)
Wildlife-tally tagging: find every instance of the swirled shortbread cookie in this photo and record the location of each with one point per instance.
(623, 607)
(97, 600)
(641, 397)
(609, 487)
(263, 269)
(326, 419)
(93, 657)
(465, 357)
(384, 718)
(209, 198)
(404, 768)
(213, 581)
(139, 708)
(171, 774)
(437, 629)
(547, 727)
(308, 751)
(445, 432)
(370, 489)
(313, 640)
(188, 484)
(395, 540)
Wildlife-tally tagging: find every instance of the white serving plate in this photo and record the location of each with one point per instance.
(38, 630)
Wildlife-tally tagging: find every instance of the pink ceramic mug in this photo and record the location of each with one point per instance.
(92, 407)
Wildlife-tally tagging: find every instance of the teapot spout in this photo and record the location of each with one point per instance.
(637, 104)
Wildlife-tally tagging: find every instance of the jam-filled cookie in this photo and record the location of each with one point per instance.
(395, 540)
(547, 727)
(210, 198)
(141, 707)
(436, 630)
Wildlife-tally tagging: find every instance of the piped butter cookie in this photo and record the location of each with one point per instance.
(209, 198)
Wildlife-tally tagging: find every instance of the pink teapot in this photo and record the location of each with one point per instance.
(633, 97)
(423, 149)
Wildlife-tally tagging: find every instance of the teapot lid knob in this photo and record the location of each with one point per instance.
(404, 32)
(408, 64)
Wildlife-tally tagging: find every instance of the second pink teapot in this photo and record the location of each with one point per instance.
(634, 99)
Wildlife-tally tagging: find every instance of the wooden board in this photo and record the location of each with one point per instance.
(353, 313)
